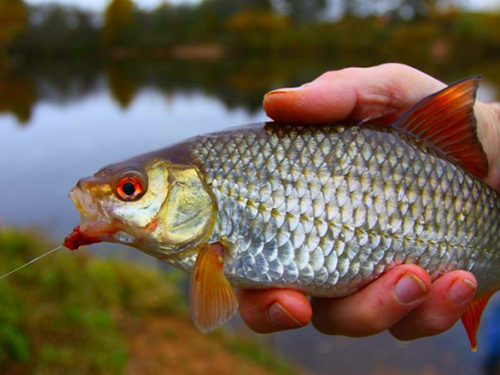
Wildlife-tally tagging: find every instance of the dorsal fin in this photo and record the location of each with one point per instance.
(446, 121)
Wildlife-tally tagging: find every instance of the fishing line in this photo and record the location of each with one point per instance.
(31, 261)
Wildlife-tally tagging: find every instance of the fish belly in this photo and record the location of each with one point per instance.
(327, 209)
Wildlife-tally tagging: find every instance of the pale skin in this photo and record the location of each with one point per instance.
(404, 300)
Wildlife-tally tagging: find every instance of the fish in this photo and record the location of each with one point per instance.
(322, 209)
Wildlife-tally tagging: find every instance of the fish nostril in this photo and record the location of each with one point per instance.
(84, 184)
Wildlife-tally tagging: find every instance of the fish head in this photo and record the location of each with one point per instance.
(151, 204)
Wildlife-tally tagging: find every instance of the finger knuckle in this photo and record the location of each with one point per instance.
(336, 74)
(329, 75)
(396, 67)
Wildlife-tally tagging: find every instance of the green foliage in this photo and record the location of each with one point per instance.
(257, 30)
(226, 8)
(417, 29)
(59, 31)
(63, 317)
(68, 315)
(13, 342)
(304, 11)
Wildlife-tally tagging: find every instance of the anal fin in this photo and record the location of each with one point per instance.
(212, 299)
(472, 317)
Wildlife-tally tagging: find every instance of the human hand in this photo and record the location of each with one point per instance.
(404, 300)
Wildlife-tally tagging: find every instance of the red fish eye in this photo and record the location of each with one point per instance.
(129, 188)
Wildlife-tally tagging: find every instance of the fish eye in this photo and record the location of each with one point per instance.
(130, 187)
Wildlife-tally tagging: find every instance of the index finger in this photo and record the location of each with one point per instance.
(354, 94)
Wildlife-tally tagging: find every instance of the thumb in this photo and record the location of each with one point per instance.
(352, 94)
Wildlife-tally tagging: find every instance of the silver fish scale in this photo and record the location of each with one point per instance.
(327, 209)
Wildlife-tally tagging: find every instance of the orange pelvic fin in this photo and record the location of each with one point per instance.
(446, 121)
(472, 317)
(212, 300)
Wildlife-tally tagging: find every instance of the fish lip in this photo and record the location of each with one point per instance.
(85, 204)
(98, 229)
(94, 222)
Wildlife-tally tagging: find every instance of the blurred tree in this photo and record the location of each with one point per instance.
(405, 9)
(58, 30)
(174, 25)
(304, 11)
(418, 8)
(349, 7)
(239, 5)
(118, 19)
(251, 23)
(13, 18)
(226, 8)
(257, 30)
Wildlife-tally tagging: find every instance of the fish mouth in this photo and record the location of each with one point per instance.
(93, 221)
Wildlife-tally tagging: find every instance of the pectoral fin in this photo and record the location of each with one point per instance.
(212, 300)
(472, 317)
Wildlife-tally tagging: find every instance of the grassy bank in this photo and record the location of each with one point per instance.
(75, 314)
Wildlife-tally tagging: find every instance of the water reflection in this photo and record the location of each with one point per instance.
(235, 83)
(123, 84)
(22, 86)
(18, 94)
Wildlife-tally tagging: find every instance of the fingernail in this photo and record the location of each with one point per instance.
(409, 288)
(461, 291)
(285, 90)
(282, 318)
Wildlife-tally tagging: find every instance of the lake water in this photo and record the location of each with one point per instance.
(61, 121)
